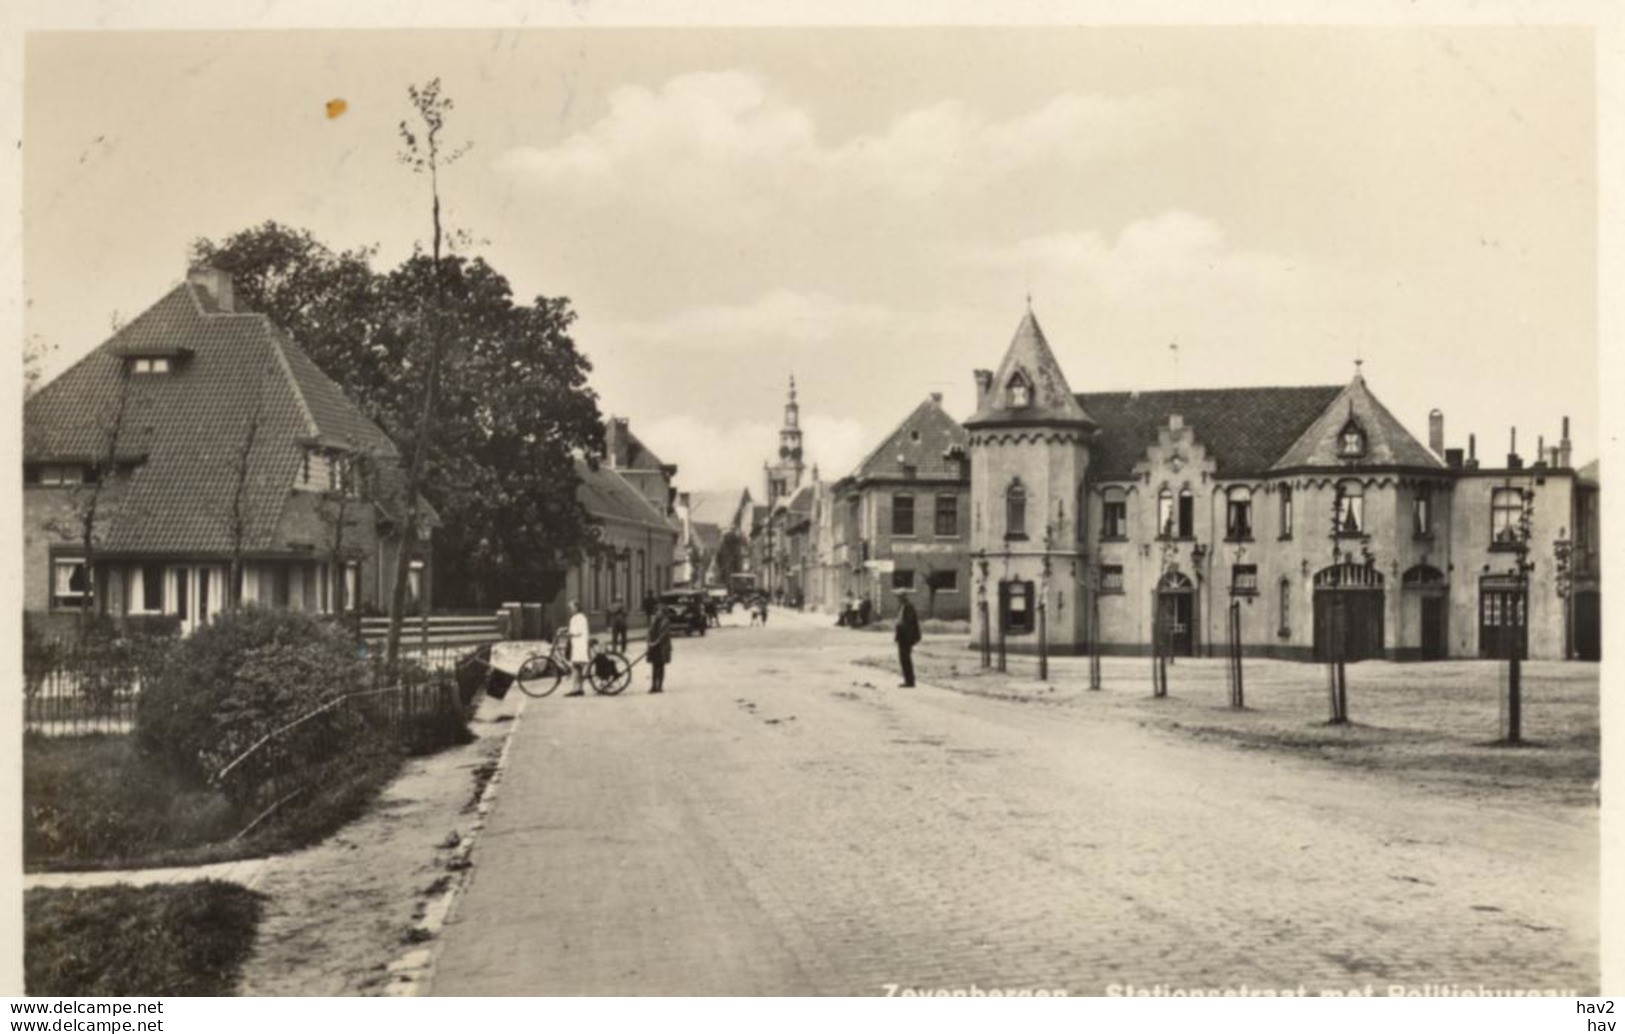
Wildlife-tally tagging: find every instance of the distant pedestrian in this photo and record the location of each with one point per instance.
(617, 624)
(580, 633)
(761, 609)
(650, 605)
(659, 650)
(908, 633)
(755, 611)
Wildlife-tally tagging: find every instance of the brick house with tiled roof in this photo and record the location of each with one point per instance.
(232, 445)
(637, 538)
(900, 521)
(1125, 517)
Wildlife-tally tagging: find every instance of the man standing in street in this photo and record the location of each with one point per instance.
(580, 633)
(617, 624)
(659, 650)
(908, 633)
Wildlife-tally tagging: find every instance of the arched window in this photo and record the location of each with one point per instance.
(1187, 514)
(1506, 511)
(1285, 491)
(1165, 514)
(1019, 391)
(1081, 512)
(1015, 511)
(1114, 514)
(1351, 440)
(1286, 607)
(1238, 524)
(1350, 508)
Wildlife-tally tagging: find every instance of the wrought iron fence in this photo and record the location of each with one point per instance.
(418, 710)
(72, 689)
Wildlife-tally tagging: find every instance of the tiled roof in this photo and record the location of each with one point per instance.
(1245, 430)
(802, 501)
(1387, 443)
(608, 496)
(708, 535)
(191, 424)
(921, 441)
(719, 508)
(1589, 473)
(1050, 399)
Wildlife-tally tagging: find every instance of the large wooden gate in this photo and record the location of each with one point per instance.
(1348, 613)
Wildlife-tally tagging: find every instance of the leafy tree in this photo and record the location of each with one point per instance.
(514, 402)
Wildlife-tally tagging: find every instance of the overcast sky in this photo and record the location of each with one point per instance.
(869, 208)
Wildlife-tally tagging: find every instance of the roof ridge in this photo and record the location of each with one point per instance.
(287, 371)
(872, 453)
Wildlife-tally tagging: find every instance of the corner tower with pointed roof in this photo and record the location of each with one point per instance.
(1029, 457)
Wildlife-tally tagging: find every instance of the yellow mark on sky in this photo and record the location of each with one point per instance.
(337, 107)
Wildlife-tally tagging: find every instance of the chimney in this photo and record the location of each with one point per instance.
(1452, 458)
(1565, 451)
(1436, 432)
(1472, 452)
(984, 384)
(936, 396)
(615, 444)
(216, 283)
(1540, 450)
(1514, 461)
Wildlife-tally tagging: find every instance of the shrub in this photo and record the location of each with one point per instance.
(179, 939)
(243, 676)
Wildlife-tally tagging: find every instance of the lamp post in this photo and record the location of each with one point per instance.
(981, 607)
(1043, 610)
(1517, 616)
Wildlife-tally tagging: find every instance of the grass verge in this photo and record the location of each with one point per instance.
(172, 939)
(97, 802)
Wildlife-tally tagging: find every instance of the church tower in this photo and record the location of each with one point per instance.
(1029, 454)
(783, 478)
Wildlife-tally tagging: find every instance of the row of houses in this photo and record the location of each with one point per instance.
(202, 457)
(1138, 520)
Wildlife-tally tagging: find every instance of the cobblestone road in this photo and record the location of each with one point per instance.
(783, 822)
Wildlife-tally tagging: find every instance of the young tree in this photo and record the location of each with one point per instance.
(237, 510)
(91, 501)
(35, 351)
(340, 507)
(422, 155)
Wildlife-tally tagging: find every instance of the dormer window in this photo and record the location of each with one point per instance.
(1351, 441)
(1020, 392)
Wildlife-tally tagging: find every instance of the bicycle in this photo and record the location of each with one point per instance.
(608, 671)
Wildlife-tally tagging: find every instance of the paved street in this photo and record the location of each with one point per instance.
(784, 822)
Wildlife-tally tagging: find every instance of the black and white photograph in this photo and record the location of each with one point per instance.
(982, 506)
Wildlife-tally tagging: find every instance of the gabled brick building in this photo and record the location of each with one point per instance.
(207, 437)
(1311, 508)
(901, 520)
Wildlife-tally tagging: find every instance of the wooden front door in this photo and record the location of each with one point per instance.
(1174, 611)
(1588, 626)
(1503, 628)
(1434, 642)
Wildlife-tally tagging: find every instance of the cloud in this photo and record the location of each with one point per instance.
(726, 455)
(781, 316)
(721, 146)
(1175, 256)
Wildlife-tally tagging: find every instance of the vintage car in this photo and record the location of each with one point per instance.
(687, 608)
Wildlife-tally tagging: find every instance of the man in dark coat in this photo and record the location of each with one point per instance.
(908, 633)
(659, 649)
(617, 624)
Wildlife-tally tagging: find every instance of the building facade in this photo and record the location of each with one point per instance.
(1119, 521)
(900, 521)
(210, 462)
